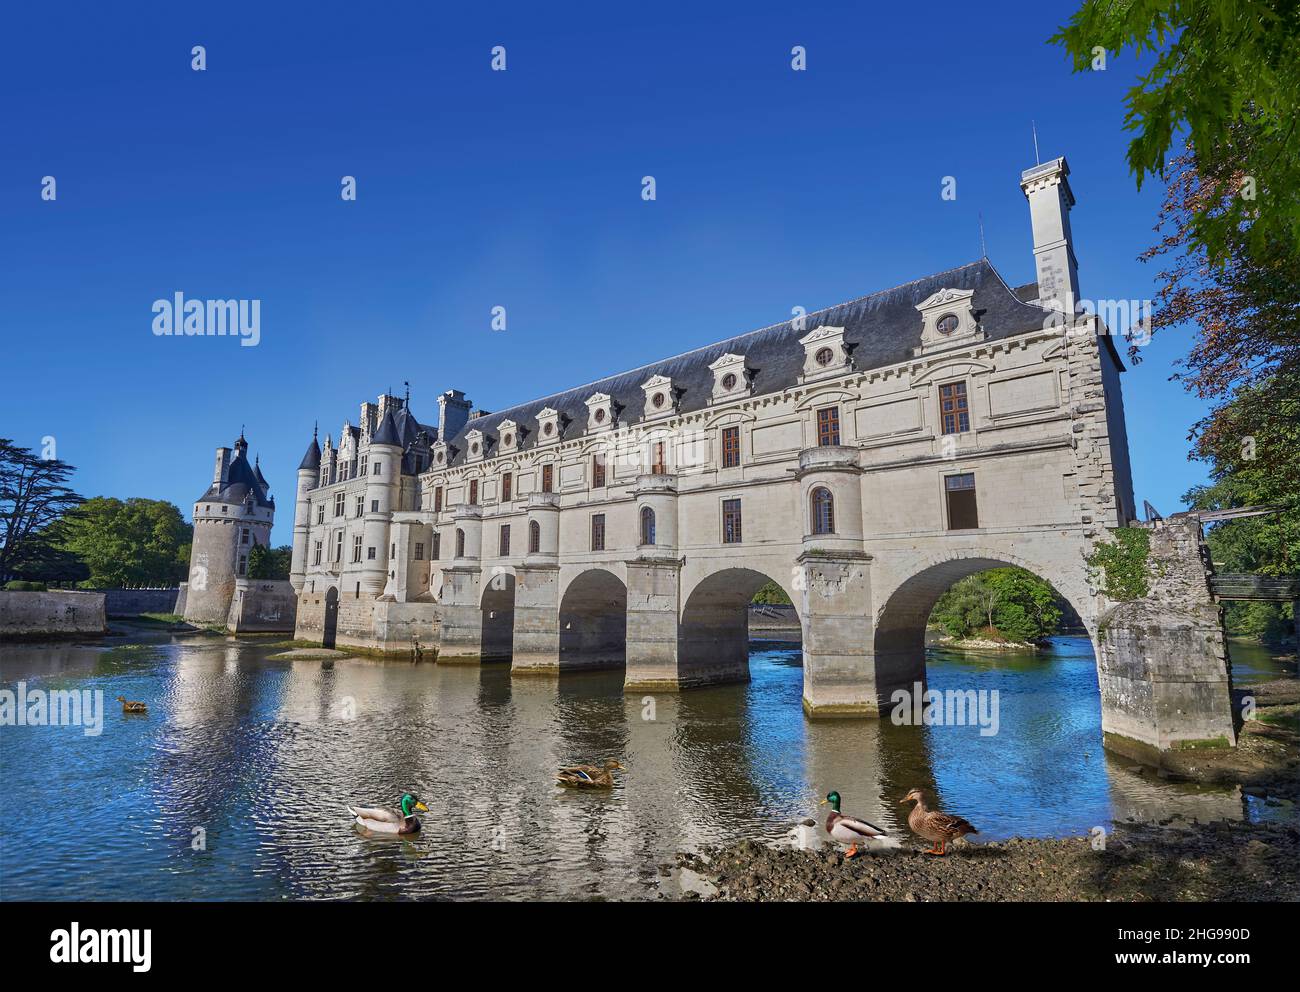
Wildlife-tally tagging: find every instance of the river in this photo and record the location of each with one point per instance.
(234, 785)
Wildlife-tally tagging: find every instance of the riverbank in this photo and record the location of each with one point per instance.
(1180, 861)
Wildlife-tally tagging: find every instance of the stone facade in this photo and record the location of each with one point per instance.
(56, 613)
(863, 458)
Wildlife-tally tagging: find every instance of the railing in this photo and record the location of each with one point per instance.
(1242, 585)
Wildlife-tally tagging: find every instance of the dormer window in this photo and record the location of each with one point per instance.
(548, 425)
(660, 398)
(731, 378)
(825, 353)
(600, 411)
(508, 431)
(948, 321)
(478, 443)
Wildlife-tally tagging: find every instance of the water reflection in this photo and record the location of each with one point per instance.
(235, 785)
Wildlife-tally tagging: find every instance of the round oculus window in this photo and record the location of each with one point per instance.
(548, 429)
(658, 400)
(439, 456)
(729, 381)
(824, 356)
(474, 447)
(508, 440)
(600, 416)
(947, 323)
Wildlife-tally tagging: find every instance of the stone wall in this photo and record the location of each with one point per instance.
(133, 602)
(58, 613)
(262, 606)
(1161, 660)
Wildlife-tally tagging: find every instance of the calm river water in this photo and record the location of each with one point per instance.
(258, 758)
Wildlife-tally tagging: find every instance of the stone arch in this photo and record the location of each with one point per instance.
(898, 628)
(498, 615)
(713, 634)
(593, 621)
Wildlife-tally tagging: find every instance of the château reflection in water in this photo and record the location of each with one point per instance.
(235, 784)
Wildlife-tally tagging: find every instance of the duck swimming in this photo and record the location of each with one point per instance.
(588, 776)
(384, 820)
(849, 829)
(128, 706)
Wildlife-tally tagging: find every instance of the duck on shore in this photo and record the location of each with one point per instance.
(938, 828)
(130, 706)
(847, 829)
(588, 776)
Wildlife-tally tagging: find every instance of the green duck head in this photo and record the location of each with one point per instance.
(410, 802)
(834, 799)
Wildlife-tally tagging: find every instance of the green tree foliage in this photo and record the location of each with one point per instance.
(771, 595)
(1003, 603)
(1223, 74)
(269, 563)
(127, 542)
(34, 494)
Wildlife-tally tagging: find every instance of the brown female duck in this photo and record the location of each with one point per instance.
(588, 776)
(938, 828)
(129, 706)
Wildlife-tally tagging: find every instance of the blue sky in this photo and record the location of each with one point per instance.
(520, 189)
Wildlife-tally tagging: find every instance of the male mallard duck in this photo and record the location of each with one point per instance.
(938, 828)
(848, 829)
(129, 707)
(588, 776)
(383, 820)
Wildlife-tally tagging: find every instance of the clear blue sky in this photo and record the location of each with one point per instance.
(518, 189)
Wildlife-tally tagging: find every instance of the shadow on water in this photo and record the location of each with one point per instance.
(235, 785)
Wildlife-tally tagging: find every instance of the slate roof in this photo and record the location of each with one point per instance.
(387, 433)
(241, 479)
(880, 329)
(311, 459)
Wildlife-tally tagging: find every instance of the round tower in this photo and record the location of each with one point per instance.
(230, 518)
(308, 476)
(382, 482)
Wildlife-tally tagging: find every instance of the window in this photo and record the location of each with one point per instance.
(597, 471)
(338, 503)
(823, 511)
(473, 491)
(507, 487)
(647, 525)
(243, 564)
(658, 400)
(225, 509)
(503, 542)
(534, 537)
(598, 532)
(243, 535)
(947, 323)
(824, 356)
(729, 381)
(657, 464)
(320, 513)
(392, 552)
(962, 512)
(828, 426)
(343, 471)
(437, 499)
(377, 466)
(548, 478)
(731, 521)
(356, 548)
(460, 543)
(364, 459)
(370, 554)
(316, 560)
(419, 551)
(338, 546)
(436, 554)
(374, 506)
(730, 447)
(600, 416)
(953, 409)
(360, 507)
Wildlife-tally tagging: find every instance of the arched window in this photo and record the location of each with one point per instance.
(534, 537)
(460, 543)
(823, 511)
(647, 525)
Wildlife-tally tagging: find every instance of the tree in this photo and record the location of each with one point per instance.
(771, 595)
(1225, 76)
(127, 542)
(269, 563)
(33, 495)
(1003, 603)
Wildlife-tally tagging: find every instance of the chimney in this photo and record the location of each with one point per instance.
(222, 471)
(453, 414)
(1048, 192)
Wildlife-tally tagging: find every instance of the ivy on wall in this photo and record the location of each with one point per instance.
(1118, 568)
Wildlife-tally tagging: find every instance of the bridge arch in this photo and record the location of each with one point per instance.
(593, 621)
(713, 633)
(498, 615)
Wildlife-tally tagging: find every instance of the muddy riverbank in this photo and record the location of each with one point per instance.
(1181, 861)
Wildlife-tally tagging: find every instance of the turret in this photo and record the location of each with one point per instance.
(308, 476)
(384, 477)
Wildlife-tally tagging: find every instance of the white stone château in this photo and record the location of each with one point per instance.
(234, 515)
(863, 457)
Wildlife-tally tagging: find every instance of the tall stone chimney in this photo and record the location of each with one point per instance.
(453, 414)
(222, 471)
(1050, 200)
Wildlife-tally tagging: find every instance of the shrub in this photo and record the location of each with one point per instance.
(19, 585)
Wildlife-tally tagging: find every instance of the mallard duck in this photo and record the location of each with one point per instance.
(131, 707)
(383, 820)
(849, 829)
(938, 828)
(588, 776)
